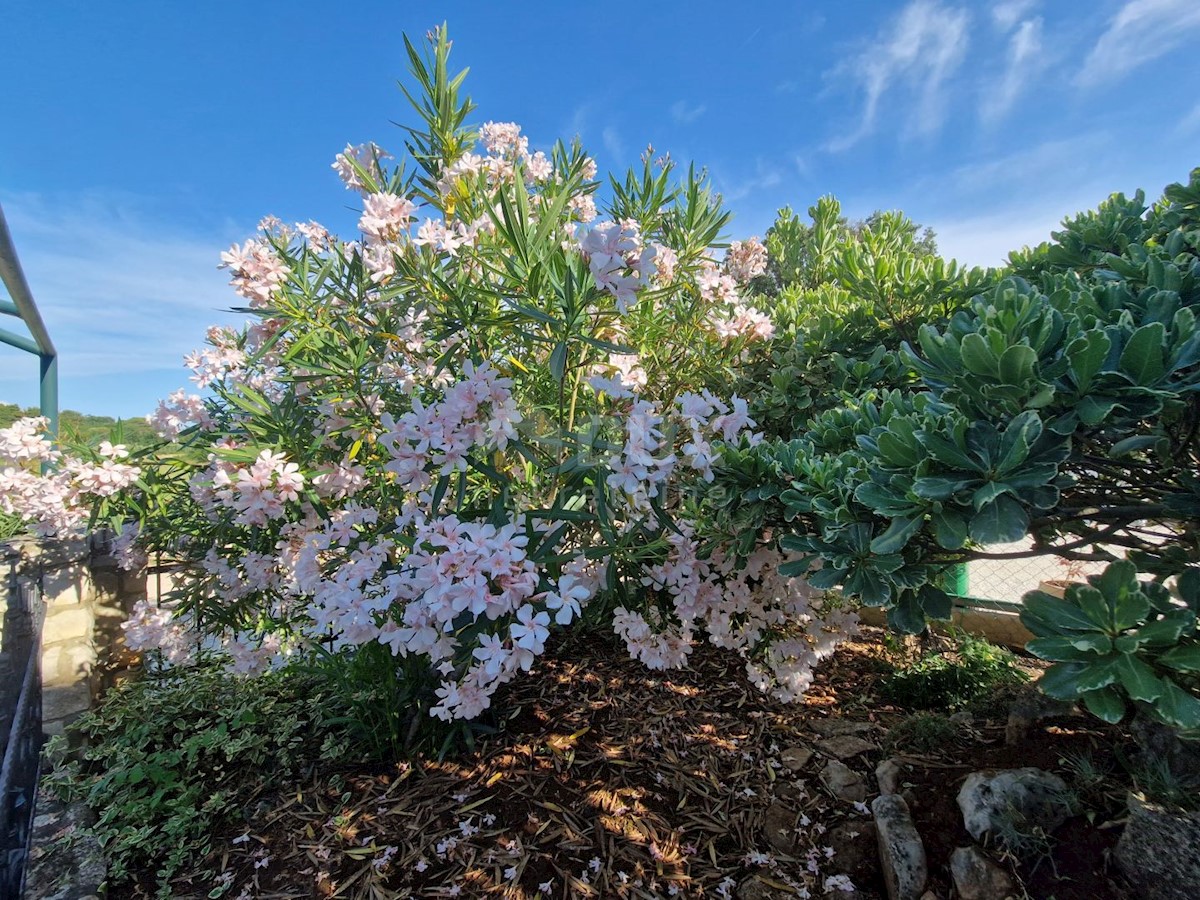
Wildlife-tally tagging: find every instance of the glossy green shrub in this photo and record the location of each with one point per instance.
(1059, 403)
(1117, 640)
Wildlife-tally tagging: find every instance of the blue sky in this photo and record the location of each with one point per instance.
(140, 139)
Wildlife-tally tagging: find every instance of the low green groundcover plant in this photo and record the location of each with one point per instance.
(922, 732)
(973, 671)
(171, 759)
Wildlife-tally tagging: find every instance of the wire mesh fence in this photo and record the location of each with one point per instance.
(1008, 580)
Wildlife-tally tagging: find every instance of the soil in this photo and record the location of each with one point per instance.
(607, 780)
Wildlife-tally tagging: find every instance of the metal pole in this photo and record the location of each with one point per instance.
(23, 306)
(18, 289)
(48, 391)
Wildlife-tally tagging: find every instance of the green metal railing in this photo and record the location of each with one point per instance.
(22, 307)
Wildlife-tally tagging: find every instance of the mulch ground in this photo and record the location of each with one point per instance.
(607, 780)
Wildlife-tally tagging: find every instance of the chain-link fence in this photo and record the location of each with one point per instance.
(1008, 580)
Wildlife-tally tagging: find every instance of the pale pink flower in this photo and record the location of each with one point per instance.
(257, 271)
(385, 217)
(365, 157)
(746, 259)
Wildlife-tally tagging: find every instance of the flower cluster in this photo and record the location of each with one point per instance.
(746, 260)
(56, 502)
(775, 621)
(476, 411)
(619, 262)
(258, 271)
(178, 412)
(259, 492)
(744, 321)
(352, 162)
(385, 217)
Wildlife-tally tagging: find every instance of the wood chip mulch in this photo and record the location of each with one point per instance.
(606, 780)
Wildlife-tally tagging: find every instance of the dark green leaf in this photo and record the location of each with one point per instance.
(1106, 704)
(898, 533)
(1142, 358)
(1185, 658)
(1177, 706)
(1061, 680)
(1138, 679)
(999, 522)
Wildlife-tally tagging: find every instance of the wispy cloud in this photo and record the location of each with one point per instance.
(684, 114)
(1025, 60)
(916, 53)
(1141, 31)
(1190, 122)
(1008, 13)
(613, 144)
(120, 295)
(986, 240)
(757, 31)
(1025, 172)
(766, 175)
(577, 126)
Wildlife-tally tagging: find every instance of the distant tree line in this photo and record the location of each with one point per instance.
(76, 427)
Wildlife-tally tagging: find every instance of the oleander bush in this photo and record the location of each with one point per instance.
(484, 418)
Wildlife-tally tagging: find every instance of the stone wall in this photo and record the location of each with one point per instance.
(87, 598)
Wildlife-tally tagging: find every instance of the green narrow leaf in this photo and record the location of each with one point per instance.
(558, 361)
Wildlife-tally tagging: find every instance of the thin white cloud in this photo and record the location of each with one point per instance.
(613, 144)
(1025, 60)
(684, 114)
(916, 53)
(1141, 31)
(577, 126)
(757, 31)
(1190, 122)
(988, 239)
(1008, 13)
(1030, 169)
(766, 175)
(119, 294)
